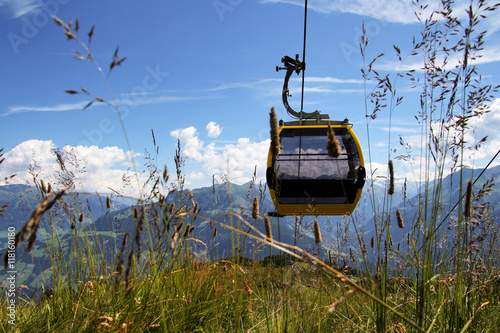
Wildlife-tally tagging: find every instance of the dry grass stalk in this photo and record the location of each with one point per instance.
(317, 232)
(275, 139)
(353, 258)
(255, 208)
(108, 203)
(333, 145)
(269, 233)
(138, 231)
(129, 267)
(119, 266)
(399, 218)
(175, 236)
(249, 293)
(31, 226)
(391, 189)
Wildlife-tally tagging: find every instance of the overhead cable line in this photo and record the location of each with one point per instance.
(463, 196)
(304, 57)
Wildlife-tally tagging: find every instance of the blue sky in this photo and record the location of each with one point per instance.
(202, 72)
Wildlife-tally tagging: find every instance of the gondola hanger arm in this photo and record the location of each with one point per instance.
(295, 65)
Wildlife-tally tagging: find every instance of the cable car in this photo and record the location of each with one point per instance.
(303, 178)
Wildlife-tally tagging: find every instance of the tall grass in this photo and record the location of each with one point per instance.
(159, 278)
(452, 97)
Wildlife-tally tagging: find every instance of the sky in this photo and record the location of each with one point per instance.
(202, 72)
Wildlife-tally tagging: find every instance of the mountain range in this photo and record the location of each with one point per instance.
(89, 212)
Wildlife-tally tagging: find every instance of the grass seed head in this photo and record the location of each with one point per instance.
(255, 208)
(336, 304)
(353, 258)
(31, 226)
(468, 200)
(187, 231)
(269, 233)
(317, 232)
(275, 139)
(391, 189)
(399, 218)
(333, 145)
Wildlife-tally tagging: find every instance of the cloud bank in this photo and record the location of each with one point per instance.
(239, 159)
(92, 169)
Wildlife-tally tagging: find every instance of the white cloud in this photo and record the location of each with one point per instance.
(329, 79)
(192, 145)
(194, 175)
(19, 8)
(396, 11)
(487, 125)
(400, 11)
(95, 169)
(453, 60)
(213, 130)
(478, 127)
(53, 108)
(248, 84)
(240, 157)
(125, 101)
